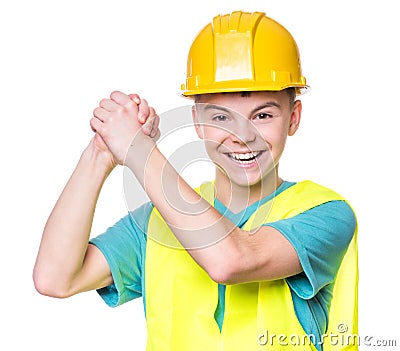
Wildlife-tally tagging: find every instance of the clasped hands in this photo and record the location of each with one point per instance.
(120, 119)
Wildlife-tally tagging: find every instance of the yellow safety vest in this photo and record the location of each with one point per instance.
(181, 298)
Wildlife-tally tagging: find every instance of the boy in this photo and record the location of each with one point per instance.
(241, 263)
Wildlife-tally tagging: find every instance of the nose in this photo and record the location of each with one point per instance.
(243, 131)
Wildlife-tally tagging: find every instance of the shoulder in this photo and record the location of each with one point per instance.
(331, 222)
(335, 216)
(310, 194)
(321, 205)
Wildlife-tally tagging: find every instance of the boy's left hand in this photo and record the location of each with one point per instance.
(119, 119)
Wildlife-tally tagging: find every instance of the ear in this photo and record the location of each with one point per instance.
(295, 118)
(197, 125)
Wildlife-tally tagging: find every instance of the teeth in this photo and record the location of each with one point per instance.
(244, 156)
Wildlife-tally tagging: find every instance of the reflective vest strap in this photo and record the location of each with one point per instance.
(291, 202)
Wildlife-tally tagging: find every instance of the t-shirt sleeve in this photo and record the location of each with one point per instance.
(320, 237)
(124, 247)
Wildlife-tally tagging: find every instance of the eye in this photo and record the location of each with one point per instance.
(220, 118)
(263, 115)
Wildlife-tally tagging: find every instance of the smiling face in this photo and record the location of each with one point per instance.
(245, 134)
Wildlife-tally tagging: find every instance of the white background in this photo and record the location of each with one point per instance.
(58, 59)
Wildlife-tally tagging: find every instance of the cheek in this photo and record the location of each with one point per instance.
(275, 137)
(212, 138)
(214, 135)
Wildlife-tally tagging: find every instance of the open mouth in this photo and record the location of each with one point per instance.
(244, 158)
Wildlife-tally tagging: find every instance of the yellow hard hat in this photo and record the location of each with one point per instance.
(243, 52)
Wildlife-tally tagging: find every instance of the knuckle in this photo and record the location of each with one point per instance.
(130, 105)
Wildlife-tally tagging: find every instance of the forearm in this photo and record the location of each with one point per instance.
(66, 233)
(201, 229)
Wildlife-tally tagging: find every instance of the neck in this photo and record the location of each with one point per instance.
(237, 197)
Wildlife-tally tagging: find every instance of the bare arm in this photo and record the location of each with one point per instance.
(65, 263)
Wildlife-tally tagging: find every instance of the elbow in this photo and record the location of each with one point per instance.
(46, 286)
(235, 270)
(227, 273)
(222, 278)
(231, 264)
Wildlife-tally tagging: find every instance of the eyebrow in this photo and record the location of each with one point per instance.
(216, 107)
(227, 110)
(267, 104)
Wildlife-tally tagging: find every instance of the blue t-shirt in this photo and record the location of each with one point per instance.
(320, 237)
